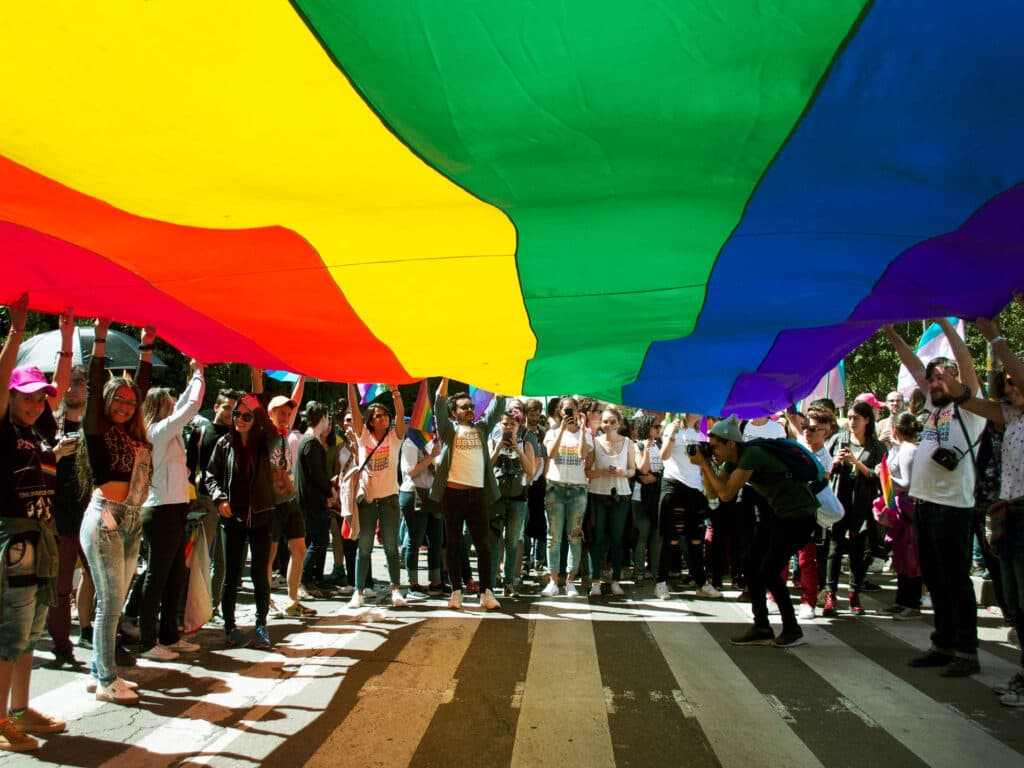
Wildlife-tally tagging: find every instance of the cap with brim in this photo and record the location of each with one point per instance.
(870, 399)
(728, 429)
(279, 401)
(28, 379)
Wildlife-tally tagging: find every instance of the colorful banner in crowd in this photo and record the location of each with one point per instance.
(645, 202)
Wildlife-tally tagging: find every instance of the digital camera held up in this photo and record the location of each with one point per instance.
(704, 448)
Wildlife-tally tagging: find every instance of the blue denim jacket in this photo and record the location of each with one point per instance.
(446, 434)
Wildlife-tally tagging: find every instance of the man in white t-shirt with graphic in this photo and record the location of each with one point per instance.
(464, 484)
(942, 483)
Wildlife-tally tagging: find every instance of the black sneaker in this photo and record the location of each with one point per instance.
(789, 638)
(932, 658)
(85, 638)
(755, 636)
(869, 586)
(123, 657)
(961, 666)
(63, 658)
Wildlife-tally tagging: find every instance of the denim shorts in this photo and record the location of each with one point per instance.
(24, 615)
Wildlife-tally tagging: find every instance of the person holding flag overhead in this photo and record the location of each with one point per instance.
(422, 520)
(465, 485)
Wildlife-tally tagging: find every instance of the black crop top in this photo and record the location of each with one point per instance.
(111, 450)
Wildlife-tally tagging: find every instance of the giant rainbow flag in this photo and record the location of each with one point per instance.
(676, 204)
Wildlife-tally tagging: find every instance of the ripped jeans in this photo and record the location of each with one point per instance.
(110, 536)
(565, 506)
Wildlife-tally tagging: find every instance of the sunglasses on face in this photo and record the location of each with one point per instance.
(814, 429)
(465, 407)
(246, 417)
(124, 401)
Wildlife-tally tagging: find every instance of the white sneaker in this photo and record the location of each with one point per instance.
(708, 590)
(488, 601)
(159, 653)
(551, 590)
(356, 601)
(661, 590)
(617, 589)
(455, 603)
(184, 646)
(397, 601)
(90, 687)
(806, 612)
(570, 590)
(595, 589)
(117, 692)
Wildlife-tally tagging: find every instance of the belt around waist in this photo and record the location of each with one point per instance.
(561, 484)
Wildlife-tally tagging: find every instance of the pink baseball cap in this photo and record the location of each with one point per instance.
(28, 379)
(870, 399)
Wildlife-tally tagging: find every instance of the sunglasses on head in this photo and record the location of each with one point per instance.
(242, 416)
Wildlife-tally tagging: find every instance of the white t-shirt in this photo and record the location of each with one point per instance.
(931, 482)
(678, 466)
(770, 429)
(566, 466)
(382, 470)
(411, 456)
(1012, 484)
(467, 467)
(901, 464)
(603, 484)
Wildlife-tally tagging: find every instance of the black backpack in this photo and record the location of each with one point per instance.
(800, 463)
(508, 470)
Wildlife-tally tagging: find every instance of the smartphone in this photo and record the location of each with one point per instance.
(570, 412)
(71, 436)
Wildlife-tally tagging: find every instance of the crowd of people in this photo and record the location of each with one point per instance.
(570, 499)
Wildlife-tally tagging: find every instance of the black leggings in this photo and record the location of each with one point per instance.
(163, 530)
(849, 536)
(236, 535)
(682, 513)
(467, 505)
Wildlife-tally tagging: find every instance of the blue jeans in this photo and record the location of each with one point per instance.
(111, 534)
(1010, 548)
(387, 512)
(944, 546)
(610, 513)
(507, 518)
(565, 505)
(419, 524)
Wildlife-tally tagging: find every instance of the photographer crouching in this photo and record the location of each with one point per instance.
(786, 522)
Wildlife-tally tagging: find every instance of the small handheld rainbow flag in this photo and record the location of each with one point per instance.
(49, 470)
(888, 493)
(422, 419)
(368, 392)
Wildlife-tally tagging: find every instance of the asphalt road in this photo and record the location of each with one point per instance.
(630, 681)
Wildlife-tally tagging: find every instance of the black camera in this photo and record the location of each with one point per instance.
(704, 448)
(946, 458)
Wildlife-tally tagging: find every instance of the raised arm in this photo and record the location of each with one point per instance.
(62, 375)
(144, 371)
(188, 405)
(400, 426)
(357, 416)
(441, 416)
(907, 357)
(9, 355)
(965, 395)
(961, 354)
(92, 424)
(494, 411)
(1011, 363)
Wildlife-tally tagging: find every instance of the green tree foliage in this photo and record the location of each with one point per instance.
(874, 366)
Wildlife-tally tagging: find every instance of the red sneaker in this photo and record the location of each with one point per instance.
(830, 605)
(855, 607)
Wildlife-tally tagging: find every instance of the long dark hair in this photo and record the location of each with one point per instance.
(865, 410)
